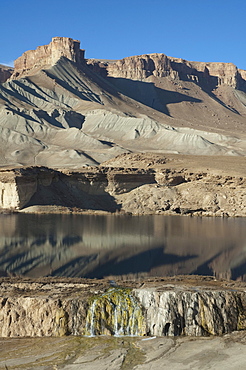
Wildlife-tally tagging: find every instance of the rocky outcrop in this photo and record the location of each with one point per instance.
(47, 55)
(184, 193)
(18, 186)
(208, 75)
(58, 308)
(196, 313)
(5, 73)
(132, 190)
(89, 189)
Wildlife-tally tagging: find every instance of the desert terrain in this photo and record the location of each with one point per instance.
(185, 121)
(147, 134)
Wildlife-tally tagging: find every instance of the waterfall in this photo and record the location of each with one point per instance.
(115, 312)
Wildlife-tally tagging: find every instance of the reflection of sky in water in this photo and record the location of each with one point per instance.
(97, 246)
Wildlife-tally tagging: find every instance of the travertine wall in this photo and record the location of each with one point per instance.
(57, 309)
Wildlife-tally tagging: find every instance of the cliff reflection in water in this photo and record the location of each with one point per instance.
(106, 246)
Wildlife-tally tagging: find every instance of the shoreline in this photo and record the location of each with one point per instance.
(147, 184)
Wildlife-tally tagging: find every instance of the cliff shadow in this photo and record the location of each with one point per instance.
(60, 194)
(150, 95)
(207, 82)
(140, 263)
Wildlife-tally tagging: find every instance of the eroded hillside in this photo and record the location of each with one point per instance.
(61, 110)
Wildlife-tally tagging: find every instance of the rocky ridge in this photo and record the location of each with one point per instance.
(135, 67)
(141, 67)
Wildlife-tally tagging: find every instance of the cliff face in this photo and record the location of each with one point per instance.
(138, 191)
(48, 55)
(141, 67)
(208, 75)
(70, 308)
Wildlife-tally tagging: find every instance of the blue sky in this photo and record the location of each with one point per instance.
(206, 30)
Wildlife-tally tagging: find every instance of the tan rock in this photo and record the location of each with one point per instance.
(48, 55)
(5, 73)
(159, 65)
(138, 191)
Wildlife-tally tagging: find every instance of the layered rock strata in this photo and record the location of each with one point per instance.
(208, 75)
(138, 191)
(58, 308)
(48, 55)
(140, 67)
(90, 188)
(68, 116)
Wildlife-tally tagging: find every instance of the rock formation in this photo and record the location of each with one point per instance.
(139, 191)
(141, 67)
(49, 308)
(70, 111)
(5, 73)
(47, 55)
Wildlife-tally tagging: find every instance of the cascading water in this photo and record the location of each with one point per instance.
(115, 312)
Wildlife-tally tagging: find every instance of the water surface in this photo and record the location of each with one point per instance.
(121, 246)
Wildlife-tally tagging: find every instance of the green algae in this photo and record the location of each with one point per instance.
(61, 322)
(51, 352)
(135, 356)
(241, 323)
(204, 317)
(115, 312)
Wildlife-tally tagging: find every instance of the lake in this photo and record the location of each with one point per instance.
(121, 246)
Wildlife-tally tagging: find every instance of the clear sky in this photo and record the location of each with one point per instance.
(197, 30)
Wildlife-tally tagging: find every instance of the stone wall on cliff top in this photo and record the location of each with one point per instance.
(48, 55)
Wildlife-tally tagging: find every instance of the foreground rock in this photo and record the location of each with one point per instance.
(189, 306)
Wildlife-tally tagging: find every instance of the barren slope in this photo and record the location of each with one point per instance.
(73, 114)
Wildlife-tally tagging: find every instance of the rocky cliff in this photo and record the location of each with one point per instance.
(141, 67)
(208, 75)
(163, 188)
(5, 73)
(47, 55)
(67, 307)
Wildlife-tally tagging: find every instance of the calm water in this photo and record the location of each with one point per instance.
(114, 246)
